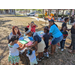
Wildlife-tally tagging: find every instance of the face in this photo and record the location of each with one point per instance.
(45, 31)
(29, 34)
(16, 30)
(32, 24)
(67, 20)
(51, 23)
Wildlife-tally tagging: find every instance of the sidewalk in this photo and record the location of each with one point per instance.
(58, 23)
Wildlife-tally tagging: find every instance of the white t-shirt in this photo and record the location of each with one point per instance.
(31, 57)
(13, 51)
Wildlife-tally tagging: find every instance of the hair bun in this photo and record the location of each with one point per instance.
(26, 29)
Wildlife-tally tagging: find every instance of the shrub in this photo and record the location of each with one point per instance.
(41, 15)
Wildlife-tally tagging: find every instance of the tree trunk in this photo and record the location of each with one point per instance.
(57, 12)
(26, 12)
(63, 12)
(43, 12)
(70, 14)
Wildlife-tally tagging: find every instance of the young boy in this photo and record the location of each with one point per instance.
(65, 34)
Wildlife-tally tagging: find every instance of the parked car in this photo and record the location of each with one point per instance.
(31, 14)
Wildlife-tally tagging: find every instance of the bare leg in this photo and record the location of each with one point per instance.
(39, 55)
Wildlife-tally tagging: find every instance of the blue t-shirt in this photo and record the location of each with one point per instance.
(55, 31)
(46, 37)
(36, 37)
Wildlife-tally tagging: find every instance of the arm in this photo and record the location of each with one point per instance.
(21, 48)
(33, 45)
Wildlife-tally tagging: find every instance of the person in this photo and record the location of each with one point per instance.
(37, 41)
(73, 38)
(14, 50)
(46, 38)
(65, 34)
(72, 19)
(32, 26)
(15, 32)
(65, 23)
(57, 36)
(32, 57)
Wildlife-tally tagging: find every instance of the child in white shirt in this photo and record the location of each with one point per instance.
(14, 50)
(32, 57)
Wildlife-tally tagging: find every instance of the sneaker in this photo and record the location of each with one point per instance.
(42, 57)
(47, 56)
(38, 59)
(62, 49)
(59, 47)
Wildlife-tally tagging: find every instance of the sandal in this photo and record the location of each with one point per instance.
(71, 51)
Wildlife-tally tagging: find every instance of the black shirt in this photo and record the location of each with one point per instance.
(72, 30)
(64, 24)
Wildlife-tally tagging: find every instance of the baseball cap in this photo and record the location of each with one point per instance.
(51, 20)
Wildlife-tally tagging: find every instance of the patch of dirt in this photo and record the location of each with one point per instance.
(6, 24)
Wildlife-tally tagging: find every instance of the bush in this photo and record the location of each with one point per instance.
(63, 15)
(41, 15)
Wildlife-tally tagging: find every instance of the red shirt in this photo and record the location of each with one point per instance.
(32, 28)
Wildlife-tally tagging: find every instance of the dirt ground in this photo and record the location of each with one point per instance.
(6, 24)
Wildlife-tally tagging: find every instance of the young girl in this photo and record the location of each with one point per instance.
(14, 50)
(32, 57)
(15, 32)
(32, 26)
(46, 38)
(37, 41)
(65, 34)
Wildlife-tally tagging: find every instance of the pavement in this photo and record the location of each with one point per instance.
(58, 23)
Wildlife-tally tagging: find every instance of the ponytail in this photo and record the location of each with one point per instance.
(56, 24)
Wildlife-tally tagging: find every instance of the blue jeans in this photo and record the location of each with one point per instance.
(62, 43)
(56, 40)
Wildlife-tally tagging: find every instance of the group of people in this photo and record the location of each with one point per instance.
(41, 44)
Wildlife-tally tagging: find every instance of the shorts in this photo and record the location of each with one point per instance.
(13, 59)
(56, 40)
(34, 62)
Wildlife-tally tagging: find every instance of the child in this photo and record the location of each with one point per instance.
(65, 34)
(32, 57)
(46, 37)
(32, 26)
(14, 50)
(65, 23)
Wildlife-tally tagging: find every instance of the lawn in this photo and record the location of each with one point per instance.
(6, 24)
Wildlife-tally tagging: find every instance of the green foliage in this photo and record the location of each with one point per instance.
(41, 15)
(61, 15)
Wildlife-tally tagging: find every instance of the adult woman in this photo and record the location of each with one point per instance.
(15, 31)
(37, 41)
(73, 38)
(57, 36)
